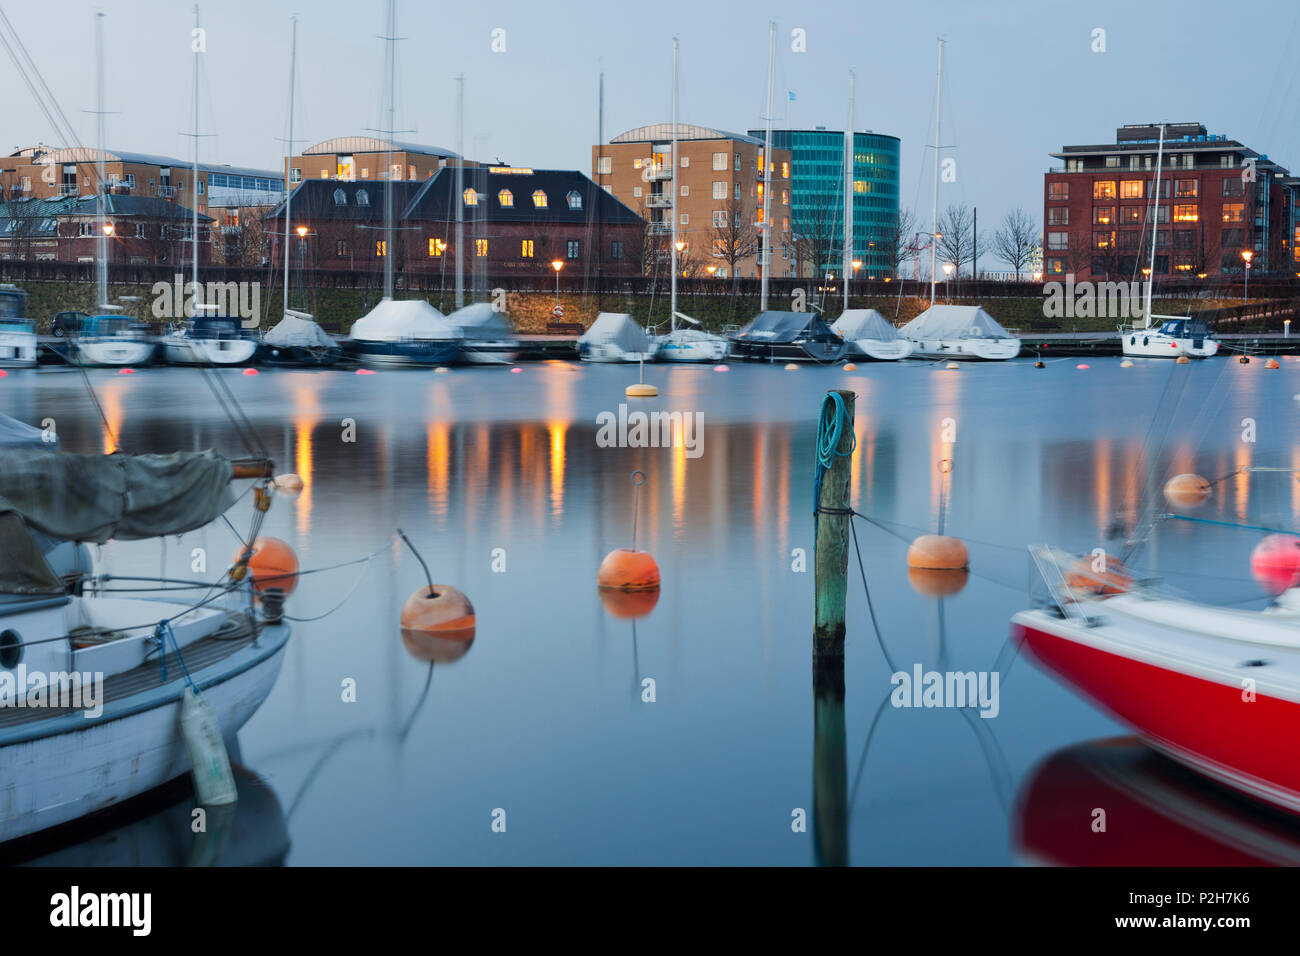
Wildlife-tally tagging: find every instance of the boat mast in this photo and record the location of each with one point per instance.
(1155, 226)
(848, 197)
(101, 233)
(672, 308)
(458, 200)
(392, 124)
(288, 160)
(767, 172)
(934, 207)
(194, 172)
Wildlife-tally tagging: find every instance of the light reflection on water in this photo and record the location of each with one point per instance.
(543, 715)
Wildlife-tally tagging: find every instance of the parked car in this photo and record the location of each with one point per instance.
(67, 323)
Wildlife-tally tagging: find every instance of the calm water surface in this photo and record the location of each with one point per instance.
(543, 717)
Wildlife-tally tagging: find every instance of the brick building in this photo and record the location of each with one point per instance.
(140, 229)
(350, 158)
(719, 202)
(516, 222)
(1217, 198)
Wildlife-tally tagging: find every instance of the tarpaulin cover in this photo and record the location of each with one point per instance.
(297, 330)
(855, 324)
(617, 328)
(480, 321)
(954, 322)
(399, 320)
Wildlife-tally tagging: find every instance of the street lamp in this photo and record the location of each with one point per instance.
(710, 270)
(947, 276)
(108, 228)
(1247, 255)
(557, 265)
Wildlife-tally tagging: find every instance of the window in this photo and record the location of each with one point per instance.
(363, 198)
(1130, 215)
(737, 191)
(636, 191)
(719, 190)
(526, 249)
(1058, 191)
(574, 199)
(604, 165)
(1184, 239)
(686, 161)
(1233, 239)
(1112, 162)
(480, 247)
(381, 248)
(616, 249)
(1162, 239)
(785, 170)
(506, 198)
(1058, 240)
(1074, 165)
(410, 173)
(395, 173)
(1131, 189)
(686, 190)
(719, 218)
(1163, 216)
(1234, 212)
(1185, 213)
(365, 172)
(1058, 216)
(1189, 161)
(1135, 162)
(1055, 267)
(199, 187)
(344, 168)
(719, 248)
(1128, 240)
(785, 224)
(139, 230)
(436, 247)
(573, 248)
(1185, 189)
(636, 164)
(1184, 263)
(342, 249)
(1234, 187)
(719, 160)
(686, 219)
(737, 162)
(340, 198)
(1103, 215)
(539, 199)
(1103, 189)
(1103, 240)
(471, 197)
(295, 174)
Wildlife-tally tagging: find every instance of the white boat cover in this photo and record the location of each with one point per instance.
(297, 330)
(16, 434)
(400, 320)
(617, 328)
(856, 324)
(954, 322)
(480, 321)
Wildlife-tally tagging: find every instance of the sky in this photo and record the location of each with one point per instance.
(1020, 79)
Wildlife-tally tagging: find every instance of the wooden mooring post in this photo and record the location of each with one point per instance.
(831, 561)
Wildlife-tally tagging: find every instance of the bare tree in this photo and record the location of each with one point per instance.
(822, 233)
(1077, 252)
(1015, 239)
(956, 236)
(896, 239)
(735, 236)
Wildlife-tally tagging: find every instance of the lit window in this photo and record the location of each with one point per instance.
(1058, 191)
(1185, 189)
(719, 247)
(1055, 266)
(437, 247)
(1103, 215)
(471, 197)
(1103, 240)
(341, 249)
(526, 249)
(340, 198)
(1234, 212)
(506, 198)
(480, 247)
(539, 199)
(1185, 214)
(381, 248)
(410, 170)
(1131, 189)
(363, 198)
(574, 199)
(324, 174)
(785, 170)
(1103, 189)
(365, 172)
(1130, 215)
(636, 164)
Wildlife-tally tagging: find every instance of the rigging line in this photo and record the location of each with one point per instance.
(352, 590)
(870, 606)
(1229, 524)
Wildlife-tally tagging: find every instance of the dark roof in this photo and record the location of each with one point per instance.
(116, 205)
(314, 199)
(433, 202)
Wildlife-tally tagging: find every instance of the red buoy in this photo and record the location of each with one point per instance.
(250, 371)
(273, 565)
(1275, 562)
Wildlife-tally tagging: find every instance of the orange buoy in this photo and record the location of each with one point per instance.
(250, 371)
(273, 565)
(1083, 365)
(435, 648)
(791, 367)
(1244, 360)
(126, 371)
(289, 484)
(1275, 562)
(1272, 363)
(1183, 360)
(938, 552)
(627, 570)
(3, 373)
(1039, 364)
(628, 605)
(1113, 579)
(1187, 491)
(937, 582)
(721, 368)
(365, 371)
(445, 613)
(516, 370)
(850, 367)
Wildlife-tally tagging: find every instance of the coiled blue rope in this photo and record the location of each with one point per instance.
(830, 428)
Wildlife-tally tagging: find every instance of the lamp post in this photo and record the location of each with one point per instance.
(1247, 255)
(108, 229)
(557, 265)
(857, 264)
(681, 247)
(302, 254)
(947, 287)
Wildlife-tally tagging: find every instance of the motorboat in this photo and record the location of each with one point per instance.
(775, 336)
(17, 333)
(616, 337)
(870, 336)
(488, 337)
(209, 340)
(959, 332)
(404, 333)
(297, 341)
(1175, 337)
(114, 341)
(690, 345)
(93, 684)
(1214, 688)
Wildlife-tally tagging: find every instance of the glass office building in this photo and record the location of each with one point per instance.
(817, 194)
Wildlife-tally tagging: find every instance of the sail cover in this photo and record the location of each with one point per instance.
(400, 320)
(98, 497)
(480, 321)
(617, 328)
(855, 324)
(297, 330)
(954, 322)
(773, 326)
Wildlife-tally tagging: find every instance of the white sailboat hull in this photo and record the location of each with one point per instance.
(17, 349)
(691, 351)
(183, 350)
(879, 350)
(609, 353)
(113, 352)
(1150, 343)
(988, 350)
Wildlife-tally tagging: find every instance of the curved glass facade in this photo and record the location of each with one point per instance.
(817, 191)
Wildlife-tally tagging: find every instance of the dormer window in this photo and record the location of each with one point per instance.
(471, 197)
(539, 199)
(575, 199)
(340, 198)
(506, 198)
(363, 197)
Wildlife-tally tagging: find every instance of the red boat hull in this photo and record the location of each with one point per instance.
(1250, 745)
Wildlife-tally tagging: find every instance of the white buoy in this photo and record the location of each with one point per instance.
(214, 783)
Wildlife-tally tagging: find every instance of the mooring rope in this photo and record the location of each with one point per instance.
(830, 428)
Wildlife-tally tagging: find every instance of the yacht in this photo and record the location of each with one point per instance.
(208, 340)
(17, 332)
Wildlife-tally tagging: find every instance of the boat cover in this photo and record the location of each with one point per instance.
(480, 321)
(617, 328)
(16, 434)
(297, 330)
(954, 322)
(783, 327)
(854, 324)
(400, 320)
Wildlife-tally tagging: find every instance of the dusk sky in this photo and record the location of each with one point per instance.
(1020, 79)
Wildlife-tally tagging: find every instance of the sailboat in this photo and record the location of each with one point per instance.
(296, 340)
(207, 338)
(870, 336)
(408, 333)
(689, 344)
(17, 332)
(1177, 335)
(111, 732)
